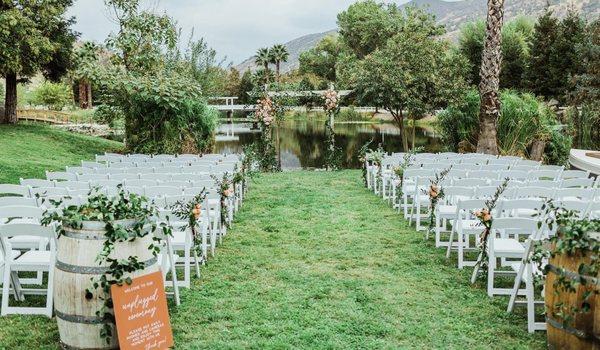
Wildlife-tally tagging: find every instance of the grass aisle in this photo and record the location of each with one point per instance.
(315, 261)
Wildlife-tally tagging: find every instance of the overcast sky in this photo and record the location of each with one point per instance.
(235, 28)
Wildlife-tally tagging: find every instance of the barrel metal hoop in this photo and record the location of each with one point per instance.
(89, 235)
(93, 270)
(576, 332)
(69, 347)
(80, 319)
(573, 275)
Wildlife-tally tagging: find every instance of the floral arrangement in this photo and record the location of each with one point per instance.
(225, 189)
(191, 211)
(265, 111)
(484, 215)
(362, 158)
(331, 101)
(435, 193)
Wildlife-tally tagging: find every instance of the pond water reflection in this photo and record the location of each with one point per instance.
(302, 144)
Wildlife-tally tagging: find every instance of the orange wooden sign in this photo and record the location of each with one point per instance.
(141, 314)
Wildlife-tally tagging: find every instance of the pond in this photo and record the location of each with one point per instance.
(302, 144)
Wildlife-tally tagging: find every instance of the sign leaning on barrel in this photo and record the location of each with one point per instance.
(141, 314)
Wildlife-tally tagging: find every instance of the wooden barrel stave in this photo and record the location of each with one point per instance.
(582, 332)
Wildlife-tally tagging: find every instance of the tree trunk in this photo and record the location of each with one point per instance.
(399, 118)
(83, 98)
(89, 94)
(277, 67)
(10, 101)
(490, 79)
(414, 125)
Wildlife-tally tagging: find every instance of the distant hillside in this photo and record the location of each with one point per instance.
(451, 14)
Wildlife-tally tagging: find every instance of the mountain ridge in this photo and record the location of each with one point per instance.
(452, 14)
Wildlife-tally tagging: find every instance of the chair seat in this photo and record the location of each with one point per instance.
(33, 258)
(508, 246)
(27, 242)
(526, 213)
(179, 238)
(468, 225)
(445, 211)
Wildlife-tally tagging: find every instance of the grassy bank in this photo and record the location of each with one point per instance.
(27, 150)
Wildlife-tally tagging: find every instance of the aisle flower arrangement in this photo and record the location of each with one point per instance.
(435, 193)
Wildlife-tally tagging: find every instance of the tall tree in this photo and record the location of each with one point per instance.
(279, 54)
(322, 59)
(34, 36)
(490, 79)
(263, 58)
(413, 74)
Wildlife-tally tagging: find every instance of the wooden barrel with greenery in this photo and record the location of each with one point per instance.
(77, 268)
(572, 316)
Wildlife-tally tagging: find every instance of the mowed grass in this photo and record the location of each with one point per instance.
(313, 261)
(27, 150)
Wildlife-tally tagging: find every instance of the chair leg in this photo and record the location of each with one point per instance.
(491, 273)
(50, 293)
(477, 268)
(530, 300)
(516, 287)
(449, 250)
(460, 237)
(5, 290)
(196, 262)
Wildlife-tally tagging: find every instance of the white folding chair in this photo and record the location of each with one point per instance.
(161, 191)
(38, 261)
(60, 176)
(446, 209)
(37, 183)
(140, 183)
(12, 190)
(577, 182)
(465, 226)
(73, 185)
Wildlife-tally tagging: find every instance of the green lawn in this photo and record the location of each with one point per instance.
(314, 261)
(27, 150)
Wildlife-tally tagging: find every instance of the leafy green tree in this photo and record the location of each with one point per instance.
(322, 59)
(34, 36)
(247, 85)
(143, 37)
(413, 74)
(200, 63)
(587, 89)
(554, 59)
(54, 96)
(279, 54)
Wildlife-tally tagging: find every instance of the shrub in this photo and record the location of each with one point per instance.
(162, 114)
(350, 114)
(54, 96)
(523, 120)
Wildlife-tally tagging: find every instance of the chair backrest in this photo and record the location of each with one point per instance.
(543, 183)
(455, 193)
(25, 229)
(37, 183)
(528, 162)
(526, 168)
(171, 200)
(585, 194)
(495, 167)
(11, 190)
(575, 174)
(516, 226)
(168, 170)
(110, 171)
(578, 206)
(466, 166)
(485, 191)
(534, 192)
(184, 177)
(197, 169)
(144, 170)
(49, 191)
(507, 207)
(21, 211)
(74, 185)
(457, 173)
(60, 176)
(194, 191)
(514, 174)
(465, 207)
(131, 189)
(140, 183)
(124, 164)
(92, 177)
(105, 183)
(469, 182)
(484, 174)
(577, 182)
(156, 177)
(17, 201)
(544, 174)
(95, 165)
(175, 183)
(80, 170)
(161, 191)
(123, 177)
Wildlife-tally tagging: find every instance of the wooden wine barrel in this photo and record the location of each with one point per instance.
(583, 331)
(76, 265)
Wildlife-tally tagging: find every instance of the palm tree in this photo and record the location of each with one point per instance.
(489, 111)
(279, 53)
(263, 58)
